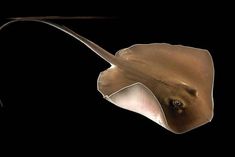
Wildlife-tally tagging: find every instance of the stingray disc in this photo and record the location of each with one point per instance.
(187, 74)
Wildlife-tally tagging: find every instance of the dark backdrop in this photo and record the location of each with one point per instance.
(50, 97)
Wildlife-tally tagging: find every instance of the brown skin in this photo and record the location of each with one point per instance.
(178, 102)
(181, 104)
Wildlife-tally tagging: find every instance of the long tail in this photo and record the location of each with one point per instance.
(94, 47)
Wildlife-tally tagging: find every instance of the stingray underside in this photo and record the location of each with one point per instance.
(175, 63)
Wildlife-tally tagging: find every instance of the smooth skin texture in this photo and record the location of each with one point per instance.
(169, 84)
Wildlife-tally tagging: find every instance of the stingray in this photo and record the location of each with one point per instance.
(170, 84)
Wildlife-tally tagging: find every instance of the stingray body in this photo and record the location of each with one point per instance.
(169, 84)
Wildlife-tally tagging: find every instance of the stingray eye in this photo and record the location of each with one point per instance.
(176, 105)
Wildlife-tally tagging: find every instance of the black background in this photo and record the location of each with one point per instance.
(50, 97)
